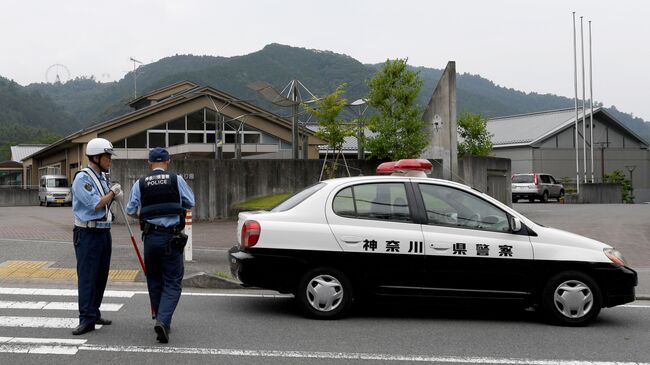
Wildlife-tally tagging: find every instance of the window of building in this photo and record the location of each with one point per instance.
(156, 140)
(119, 144)
(195, 137)
(177, 124)
(137, 141)
(195, 121)
(209, 137)
(176, 138)
(253, 138)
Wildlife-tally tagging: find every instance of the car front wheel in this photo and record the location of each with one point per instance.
(571, 298)
(324, 293)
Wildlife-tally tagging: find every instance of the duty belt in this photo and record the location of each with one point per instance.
(92, 224)
(148, 227)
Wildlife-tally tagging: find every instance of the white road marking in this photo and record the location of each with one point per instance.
(41, 341)
(345, 355)
(105, 307)
(38, 349)
(62, 292)
(634, 306)
(40, 322)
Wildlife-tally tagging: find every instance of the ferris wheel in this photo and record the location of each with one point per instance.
(57, 74)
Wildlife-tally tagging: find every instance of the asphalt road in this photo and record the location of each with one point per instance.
(234, 327)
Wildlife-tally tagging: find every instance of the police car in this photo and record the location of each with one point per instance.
(412, 236)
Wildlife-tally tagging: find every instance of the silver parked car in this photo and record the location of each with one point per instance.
(533, 186)
(54, 189)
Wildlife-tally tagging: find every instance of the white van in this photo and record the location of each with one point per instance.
(54, 189)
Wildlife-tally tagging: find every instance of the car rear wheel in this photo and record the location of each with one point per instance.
(544, 197)
(324, 293)
(571, 298)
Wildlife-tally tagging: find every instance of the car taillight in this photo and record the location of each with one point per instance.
(536, 179)
(250, 233)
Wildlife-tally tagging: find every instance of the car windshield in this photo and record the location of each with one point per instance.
(297, 198)
(57, 183)
(522, 179)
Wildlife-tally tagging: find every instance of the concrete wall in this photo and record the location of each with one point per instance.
(600, 194)
(490, 175)
(218, 184)
(18, 197)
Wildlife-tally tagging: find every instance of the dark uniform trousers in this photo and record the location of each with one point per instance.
(164, 274)
(92, 247)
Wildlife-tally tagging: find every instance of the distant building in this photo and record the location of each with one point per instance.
(191, 121)
(545, 142)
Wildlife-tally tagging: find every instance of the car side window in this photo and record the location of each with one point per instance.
(553, 181)
(447, 206)
(545, 179)
(381, 201)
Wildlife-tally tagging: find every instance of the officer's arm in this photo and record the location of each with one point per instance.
(187, 196)
(105, 200)
(134, 201)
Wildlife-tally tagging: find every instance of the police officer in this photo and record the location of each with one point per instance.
(162, 198)
(91, 199)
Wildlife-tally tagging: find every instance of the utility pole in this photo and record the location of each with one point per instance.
(135, 77)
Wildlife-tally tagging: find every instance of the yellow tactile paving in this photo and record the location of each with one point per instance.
(36, 269)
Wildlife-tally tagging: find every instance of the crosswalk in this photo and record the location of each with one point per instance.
(53, 309)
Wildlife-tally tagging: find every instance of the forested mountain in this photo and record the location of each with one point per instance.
(83, 102)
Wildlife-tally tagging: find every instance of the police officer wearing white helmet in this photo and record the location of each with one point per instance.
(91, 201)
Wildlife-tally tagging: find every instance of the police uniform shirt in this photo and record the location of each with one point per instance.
(85, 196)
(187, 202)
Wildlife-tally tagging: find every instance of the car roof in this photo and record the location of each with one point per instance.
(371, 178)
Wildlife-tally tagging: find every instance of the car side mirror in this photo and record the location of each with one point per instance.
(515, 224)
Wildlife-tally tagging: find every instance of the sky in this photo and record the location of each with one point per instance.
(519, 44)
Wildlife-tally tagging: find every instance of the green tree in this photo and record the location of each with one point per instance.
(618, 177)
(332, 128)
(398, 126)
(477, 141)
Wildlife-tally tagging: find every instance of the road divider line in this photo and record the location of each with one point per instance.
(105, 307)
(41, 341)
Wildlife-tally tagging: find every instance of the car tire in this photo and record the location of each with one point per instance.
(571, 298)
(324, 293)
(544, 198)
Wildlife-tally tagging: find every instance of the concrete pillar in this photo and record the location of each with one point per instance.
(441, 124)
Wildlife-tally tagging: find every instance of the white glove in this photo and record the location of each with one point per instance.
(117, 190)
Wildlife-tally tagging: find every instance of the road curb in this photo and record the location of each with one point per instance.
(209, 281)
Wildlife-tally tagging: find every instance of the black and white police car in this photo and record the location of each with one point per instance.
(413, 236)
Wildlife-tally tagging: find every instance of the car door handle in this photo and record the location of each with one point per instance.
(350, 239)
(440, 246)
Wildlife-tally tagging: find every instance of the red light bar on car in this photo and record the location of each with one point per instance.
(410, 167)
(386, 167)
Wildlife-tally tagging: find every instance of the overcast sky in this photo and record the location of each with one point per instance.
(525, 45)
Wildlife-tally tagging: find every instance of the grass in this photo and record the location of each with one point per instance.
(222, 274)
(263, 202)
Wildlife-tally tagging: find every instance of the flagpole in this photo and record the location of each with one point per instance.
(575, 87)
(584, 106)
(591, 105)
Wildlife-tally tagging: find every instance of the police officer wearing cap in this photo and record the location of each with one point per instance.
(91, 200)
(162, 198)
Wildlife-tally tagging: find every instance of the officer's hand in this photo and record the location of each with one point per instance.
(117, 190)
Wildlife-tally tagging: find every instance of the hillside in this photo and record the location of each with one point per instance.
(83, 102)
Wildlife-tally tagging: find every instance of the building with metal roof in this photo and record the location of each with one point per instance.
(545, 142)
(191, 121)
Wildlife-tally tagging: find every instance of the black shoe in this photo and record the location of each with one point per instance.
(162, 331)
(83, 328)
(105, 322)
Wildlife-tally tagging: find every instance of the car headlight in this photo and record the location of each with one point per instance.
(615, 256)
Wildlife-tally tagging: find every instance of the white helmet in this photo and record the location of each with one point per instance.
(98, 146)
